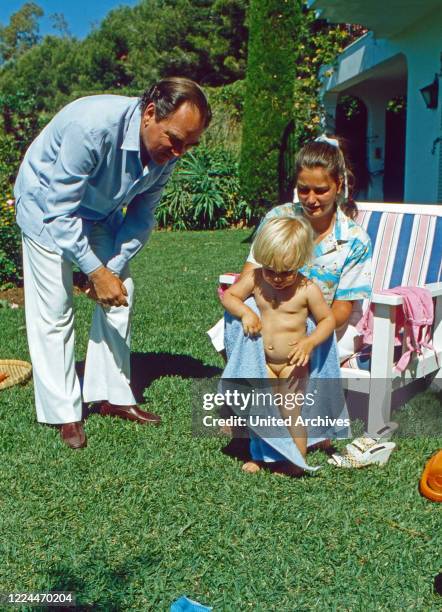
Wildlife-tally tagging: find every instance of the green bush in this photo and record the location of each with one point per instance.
(203, 193)
(227, 102)
(10, 244)
(228, 97)
(9, 162)
(268, 106)
(19, 124)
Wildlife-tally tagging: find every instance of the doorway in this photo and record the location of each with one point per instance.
(351, 126)
(395, 137)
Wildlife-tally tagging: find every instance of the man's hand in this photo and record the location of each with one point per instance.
(300, 355)
(106, 288)
(251, 323)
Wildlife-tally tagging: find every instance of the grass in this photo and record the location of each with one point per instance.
(144, 515)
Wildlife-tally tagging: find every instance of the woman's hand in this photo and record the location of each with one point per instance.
(106, 288)
(300, 355)
(251, 323)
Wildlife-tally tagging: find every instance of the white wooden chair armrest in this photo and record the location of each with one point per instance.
(396, 300)
(386, 300)
(435, 289)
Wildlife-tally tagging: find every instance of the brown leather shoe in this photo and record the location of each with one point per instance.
(131, 413)
(73, 435)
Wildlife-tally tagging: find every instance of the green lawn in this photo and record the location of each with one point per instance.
(144, 515)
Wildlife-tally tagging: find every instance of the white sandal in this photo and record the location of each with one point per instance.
(361, 445)
(344, 461)
(377, 454)
(367, 449)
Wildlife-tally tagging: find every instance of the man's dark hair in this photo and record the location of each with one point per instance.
(170, 93)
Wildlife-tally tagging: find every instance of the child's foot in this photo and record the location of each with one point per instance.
(251, 467)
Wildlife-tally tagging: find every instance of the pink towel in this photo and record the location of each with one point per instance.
(414, 319)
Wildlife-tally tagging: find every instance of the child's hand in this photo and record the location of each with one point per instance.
(300, 355)
(251, 324)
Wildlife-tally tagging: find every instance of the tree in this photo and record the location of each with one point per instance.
(103, 54)
(311, 44)
(319, 43)
(133, 46)
(22, 32)
(47, 73)
(60, 25)
(268, 106)
(203, 39)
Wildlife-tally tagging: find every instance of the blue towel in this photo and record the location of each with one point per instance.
(184, 604)
(246, 361)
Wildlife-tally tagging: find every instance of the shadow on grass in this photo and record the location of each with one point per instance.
(116, 586)
(239, 447)
(147, 367)
(357, 403)
(251, 237)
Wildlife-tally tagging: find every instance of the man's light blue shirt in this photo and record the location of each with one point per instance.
(84, 168)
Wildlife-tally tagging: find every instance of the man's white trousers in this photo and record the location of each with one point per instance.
(50, 329)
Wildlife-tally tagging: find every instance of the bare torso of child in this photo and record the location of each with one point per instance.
(283, 316)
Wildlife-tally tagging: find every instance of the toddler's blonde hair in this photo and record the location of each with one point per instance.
(284, 243)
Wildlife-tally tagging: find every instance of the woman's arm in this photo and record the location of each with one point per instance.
(323, 315)
(341, 310)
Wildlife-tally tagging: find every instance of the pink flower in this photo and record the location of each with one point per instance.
(10, 202)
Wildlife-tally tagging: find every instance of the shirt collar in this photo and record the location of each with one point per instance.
(338, 235)
(131, 140)
(340, 227)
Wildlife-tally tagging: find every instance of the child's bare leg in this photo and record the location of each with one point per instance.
(251, 467)
(292, 381)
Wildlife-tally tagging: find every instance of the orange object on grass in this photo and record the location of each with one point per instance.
(430, 484)
(3, 376)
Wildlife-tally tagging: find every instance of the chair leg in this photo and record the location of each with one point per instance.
(379, 409)
(379, 406)
(437, 340)
(436, 383)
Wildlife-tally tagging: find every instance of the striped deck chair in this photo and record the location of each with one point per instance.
(407, 251)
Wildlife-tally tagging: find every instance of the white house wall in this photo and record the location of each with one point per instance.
(377, 70)
(357, 62)
(387, 18)
(422, 44)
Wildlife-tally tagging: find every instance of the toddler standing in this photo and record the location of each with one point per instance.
(285, 299)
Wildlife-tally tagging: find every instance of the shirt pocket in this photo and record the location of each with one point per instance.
(326, 274)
